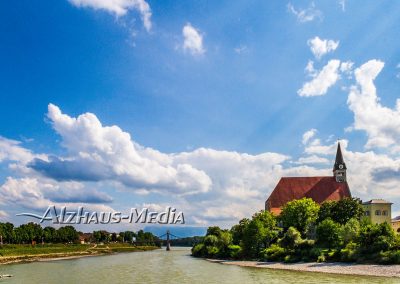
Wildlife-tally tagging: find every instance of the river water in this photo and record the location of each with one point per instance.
(159, 266)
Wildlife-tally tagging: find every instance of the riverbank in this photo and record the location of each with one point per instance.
(332, 268)
(23, 254)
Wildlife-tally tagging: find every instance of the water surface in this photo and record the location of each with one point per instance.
(176, 266)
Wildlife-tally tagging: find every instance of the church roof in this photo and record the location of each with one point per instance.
(339, 159)
(320, 189)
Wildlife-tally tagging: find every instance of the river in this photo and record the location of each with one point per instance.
(159, 266)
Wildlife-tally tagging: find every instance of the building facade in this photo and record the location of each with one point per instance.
(378, 211)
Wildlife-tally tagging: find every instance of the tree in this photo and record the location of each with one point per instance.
(259, 233)
(299, 214)
(291, 238)
(215, 230)
(67, 234)
(376, 237)
(351, 231)
(238, 231)
(341, 211)
(329, 234)
(50, 235)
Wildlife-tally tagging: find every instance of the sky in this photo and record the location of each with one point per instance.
(198, 105)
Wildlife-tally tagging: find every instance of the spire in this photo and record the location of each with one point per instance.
(339, 160)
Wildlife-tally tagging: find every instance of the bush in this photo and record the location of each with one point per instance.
(235, 251)
(274, 253)
(389, 257)
(329, 234)
(198, 250)
(291, 238)
(212, 251)
(349, 253)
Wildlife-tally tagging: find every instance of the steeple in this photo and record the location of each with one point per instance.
(339, 168)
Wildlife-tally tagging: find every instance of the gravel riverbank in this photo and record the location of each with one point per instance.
(335, 268)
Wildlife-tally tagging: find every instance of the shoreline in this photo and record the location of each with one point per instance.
(376, 270)
(19, 259)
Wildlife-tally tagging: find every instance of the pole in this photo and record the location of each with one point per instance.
(168, 242)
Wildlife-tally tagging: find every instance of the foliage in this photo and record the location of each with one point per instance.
(329, 234)
(259, 233)
(291, 238)
(299, 214)
(341, 211)
(305, 232)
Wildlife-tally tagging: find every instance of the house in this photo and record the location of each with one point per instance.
(319, 188)
(378, 211)
(395, 222)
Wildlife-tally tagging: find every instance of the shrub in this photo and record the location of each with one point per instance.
(291, 238)
(329, 234)
(198, 250)
(212, 251)
(389, 257)
(349, 253)
(235, 251)
(274, 253)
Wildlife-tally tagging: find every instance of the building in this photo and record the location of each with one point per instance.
(395, 222)
(320, 188)
(378, 211)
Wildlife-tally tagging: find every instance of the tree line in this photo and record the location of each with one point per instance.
(33, 233)
(305, 231)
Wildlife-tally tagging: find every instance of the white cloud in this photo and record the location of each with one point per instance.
(320, 47)
(382, 124)
(305, 15)
(98, 152)
(322, 81)
(314, 159)
(119, 8)
(13, 151)
(346, 67)
(192, 40)
(308, 135)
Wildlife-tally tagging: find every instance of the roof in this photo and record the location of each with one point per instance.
(377, 201)
(339, 159)
(320, 189)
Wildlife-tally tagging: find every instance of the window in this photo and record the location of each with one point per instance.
(378, 212)
(384, 213)
(366, 213)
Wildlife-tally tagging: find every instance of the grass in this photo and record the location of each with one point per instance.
(18, 253)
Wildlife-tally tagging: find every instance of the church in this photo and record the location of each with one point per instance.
(320, 188)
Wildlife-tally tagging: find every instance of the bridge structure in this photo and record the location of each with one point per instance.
(167, 237)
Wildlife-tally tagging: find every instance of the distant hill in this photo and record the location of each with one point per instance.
(179, 231)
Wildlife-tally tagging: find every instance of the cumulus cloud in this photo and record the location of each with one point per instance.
(322, 81)
(320, 47)
(314, 159)
(305, 15)
(192, 40)
(119, 8)
(98, 152)
(37, 194)
(382, 124)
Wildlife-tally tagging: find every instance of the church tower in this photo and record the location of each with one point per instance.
(339, 169)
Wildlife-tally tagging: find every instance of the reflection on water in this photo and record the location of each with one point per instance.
(176, 266)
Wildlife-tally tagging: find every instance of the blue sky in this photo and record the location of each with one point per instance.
(214, 88)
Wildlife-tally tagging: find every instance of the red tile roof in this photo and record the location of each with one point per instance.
(320, 189)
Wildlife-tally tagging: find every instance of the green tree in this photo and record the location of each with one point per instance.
(291, 238)
(376, 237)
(50, 235)
(329, 234)
(341, 211)
(238, 231)
(259, 233)
(351, 231)
(299, 214)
